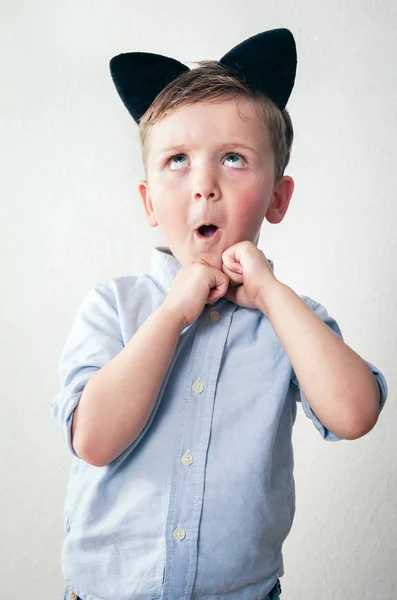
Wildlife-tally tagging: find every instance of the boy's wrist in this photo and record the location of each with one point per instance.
(172, 315)
(267, 296)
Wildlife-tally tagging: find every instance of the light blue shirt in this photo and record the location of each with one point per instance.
(201, 503)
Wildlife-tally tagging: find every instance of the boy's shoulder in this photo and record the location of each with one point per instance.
(111, 284)
(124, 290)
(110, 287)
(128, 290)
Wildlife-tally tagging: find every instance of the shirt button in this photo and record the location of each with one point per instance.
(179, 534)
(187, 459)
(167, 290)
(198, 387)
(214, 315)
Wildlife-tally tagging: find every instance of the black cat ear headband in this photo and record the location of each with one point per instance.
(267, 62)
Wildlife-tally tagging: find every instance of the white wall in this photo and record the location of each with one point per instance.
(70, 216)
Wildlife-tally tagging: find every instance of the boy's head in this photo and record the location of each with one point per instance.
(214, 151)
(213, 82)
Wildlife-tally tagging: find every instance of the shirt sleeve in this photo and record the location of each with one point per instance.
(94, 340)
(325, 433)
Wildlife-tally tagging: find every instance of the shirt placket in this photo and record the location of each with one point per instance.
(194, 429)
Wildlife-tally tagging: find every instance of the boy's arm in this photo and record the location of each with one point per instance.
(118, 400)
(338, 384)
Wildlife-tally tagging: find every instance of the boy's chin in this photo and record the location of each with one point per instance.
(212, 259)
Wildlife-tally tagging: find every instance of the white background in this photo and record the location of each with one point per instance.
(71, 215)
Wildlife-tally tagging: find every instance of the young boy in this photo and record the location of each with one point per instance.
(179, 386)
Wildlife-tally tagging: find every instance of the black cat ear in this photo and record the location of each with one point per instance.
(267, 61)
(140, 76)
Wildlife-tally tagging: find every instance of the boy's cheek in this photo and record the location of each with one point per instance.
(249, 207)
(169, 187)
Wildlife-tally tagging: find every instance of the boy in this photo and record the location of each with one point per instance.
(179, 386)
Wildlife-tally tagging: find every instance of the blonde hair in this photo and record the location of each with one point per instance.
(211, 82)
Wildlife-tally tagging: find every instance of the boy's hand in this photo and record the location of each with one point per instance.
(251, 277)
(246, 279)
(194, 286)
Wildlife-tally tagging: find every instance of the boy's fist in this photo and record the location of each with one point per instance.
(250, 274)
(246, 279)
(194, 286)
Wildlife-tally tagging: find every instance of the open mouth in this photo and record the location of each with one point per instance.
(207, 231)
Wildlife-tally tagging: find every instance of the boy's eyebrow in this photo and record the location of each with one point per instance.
(183, 147)
(238, 145)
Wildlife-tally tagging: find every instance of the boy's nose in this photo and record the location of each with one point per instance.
(203, 194)
(206, 187)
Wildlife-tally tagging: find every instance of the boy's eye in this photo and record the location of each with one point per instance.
(177, 161)
(235, 160)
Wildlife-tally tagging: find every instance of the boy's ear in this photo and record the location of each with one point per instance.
(280, 200)
(144, 192)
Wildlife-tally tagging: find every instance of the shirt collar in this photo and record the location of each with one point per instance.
(164, 266)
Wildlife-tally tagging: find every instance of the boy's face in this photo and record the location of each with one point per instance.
(206, 164)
